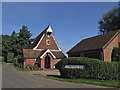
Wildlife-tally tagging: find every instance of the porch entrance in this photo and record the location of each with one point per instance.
(47, 62)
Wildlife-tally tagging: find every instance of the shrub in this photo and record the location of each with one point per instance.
(10, 57)
(116, 54)
(35, 67)
(94, 68)
(15, 61)
(20, 61)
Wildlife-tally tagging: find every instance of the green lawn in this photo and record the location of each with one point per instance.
(109, 83)
(23, 69)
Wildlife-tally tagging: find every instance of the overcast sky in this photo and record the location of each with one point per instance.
(70, 21)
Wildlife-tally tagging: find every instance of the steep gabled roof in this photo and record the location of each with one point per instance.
(93, 43)
(38, 38)
(39, 42)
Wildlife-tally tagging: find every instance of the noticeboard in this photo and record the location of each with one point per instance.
(75, 66)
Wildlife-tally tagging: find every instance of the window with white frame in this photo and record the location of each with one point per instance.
(48, 42)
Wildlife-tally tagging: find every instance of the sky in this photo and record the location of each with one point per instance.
(71, 21)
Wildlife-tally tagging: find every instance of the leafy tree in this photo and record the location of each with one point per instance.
(5, 45)
(110, 21)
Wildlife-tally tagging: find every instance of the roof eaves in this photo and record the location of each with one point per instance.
(111, 39)
(29, 57)
(35, 47)
(47, 51)
(86, 50)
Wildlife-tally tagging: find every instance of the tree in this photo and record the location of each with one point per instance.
(116, 54)
(10, 57)
(16, 42)
(110, 21)
(13, 34)
(5, 45)
(21, 41)
(24, 33)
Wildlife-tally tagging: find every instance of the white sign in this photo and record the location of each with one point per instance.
(75, 66)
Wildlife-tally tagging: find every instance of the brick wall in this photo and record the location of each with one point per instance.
(109, 48)
(29, 62)
(52, 45)
(83, 54)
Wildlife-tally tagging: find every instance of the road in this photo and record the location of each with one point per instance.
(12, 78)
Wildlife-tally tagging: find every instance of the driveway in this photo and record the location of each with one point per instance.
(19, 79)
(45, 72)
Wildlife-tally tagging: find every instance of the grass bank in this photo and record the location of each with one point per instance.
(108, 83)
(23, 69)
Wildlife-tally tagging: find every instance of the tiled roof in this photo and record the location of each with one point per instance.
(93, 43)
(58, 54)
(30, 53)
(38, 38)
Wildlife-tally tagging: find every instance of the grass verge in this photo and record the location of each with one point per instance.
(2, 62)
(23, 69)
(109, 83)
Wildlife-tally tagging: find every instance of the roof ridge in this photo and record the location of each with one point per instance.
(102, 34)
(95, 42)
(36, 40)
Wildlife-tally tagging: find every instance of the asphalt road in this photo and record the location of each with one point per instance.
(12, 78)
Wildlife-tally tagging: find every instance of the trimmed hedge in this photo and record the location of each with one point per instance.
(94, 68)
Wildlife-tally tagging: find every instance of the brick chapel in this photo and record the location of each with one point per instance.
(45, 51)
(99, 47)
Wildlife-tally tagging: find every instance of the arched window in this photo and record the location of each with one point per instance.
(48, 42)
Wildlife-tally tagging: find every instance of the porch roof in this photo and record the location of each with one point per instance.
(30, 53)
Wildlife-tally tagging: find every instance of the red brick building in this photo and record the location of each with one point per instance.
(100, 46)
(45, 51)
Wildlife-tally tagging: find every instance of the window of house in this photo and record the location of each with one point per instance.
(48, 42)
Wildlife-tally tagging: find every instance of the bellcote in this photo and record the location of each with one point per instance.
(49, 30)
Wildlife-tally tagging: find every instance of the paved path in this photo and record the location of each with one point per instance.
(19, 79)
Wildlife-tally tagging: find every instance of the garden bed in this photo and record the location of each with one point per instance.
(24, 69)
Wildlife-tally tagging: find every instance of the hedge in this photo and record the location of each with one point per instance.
(94, 68)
